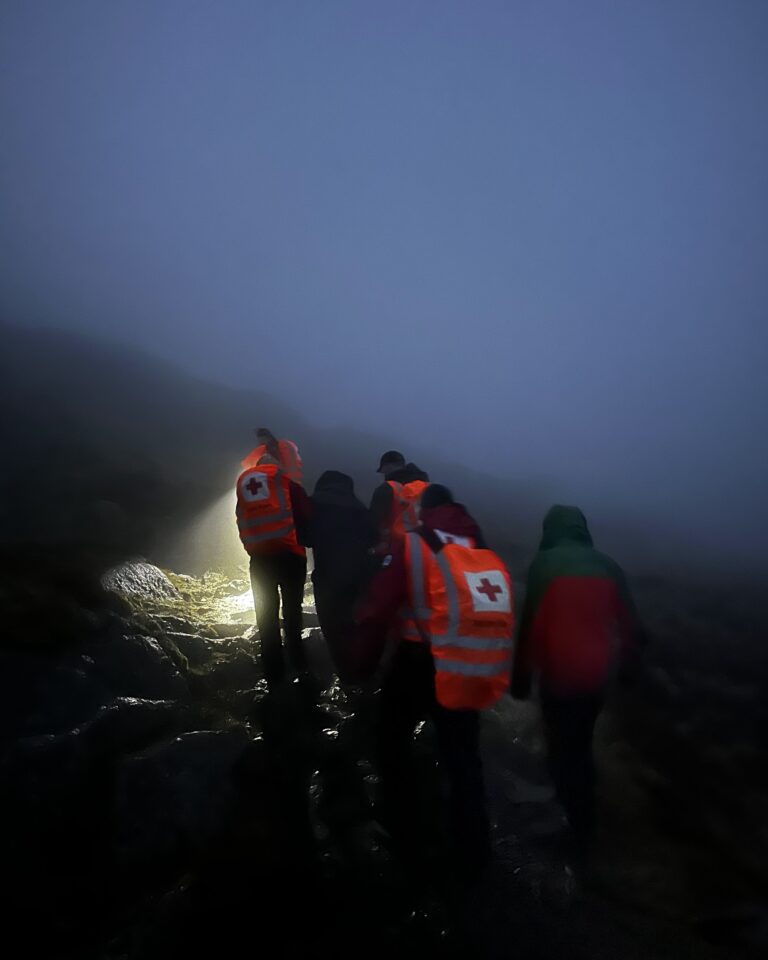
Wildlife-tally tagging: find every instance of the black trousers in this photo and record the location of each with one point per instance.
(274, 578)
(336, 612)
(569, 724)
(407, 697)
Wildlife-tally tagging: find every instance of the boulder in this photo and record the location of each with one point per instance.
(40, 695)
(136, 666)
(236, 669)
(195, 648)
(243, 703)
(55, 789)
(128, 724)
(178, 797)
(141, 580)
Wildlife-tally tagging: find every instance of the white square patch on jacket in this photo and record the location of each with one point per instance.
(255, 488)
(490, 591)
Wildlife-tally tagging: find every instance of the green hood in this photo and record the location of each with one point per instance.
(564, 525)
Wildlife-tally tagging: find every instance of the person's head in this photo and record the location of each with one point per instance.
(436, 495)
(267, 460)
(564, 524)
(390, 461)
(336, 481)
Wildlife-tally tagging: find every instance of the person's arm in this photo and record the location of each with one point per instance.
(302, 513)
(386, 596)
(381, 510)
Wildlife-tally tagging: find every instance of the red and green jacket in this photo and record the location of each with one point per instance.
(578, 618)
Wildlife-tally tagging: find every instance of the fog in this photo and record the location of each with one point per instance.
(529, 239)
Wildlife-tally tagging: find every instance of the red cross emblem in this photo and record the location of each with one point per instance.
(491, 590)
(253, 486)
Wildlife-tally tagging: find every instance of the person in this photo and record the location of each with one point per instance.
(395, 502)
(339, 531)
(284, 451)
(578, 628)
(269, 505)
(449, 600)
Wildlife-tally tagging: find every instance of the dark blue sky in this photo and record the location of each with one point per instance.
(535, 233)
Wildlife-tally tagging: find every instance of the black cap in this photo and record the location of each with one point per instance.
(392, 457)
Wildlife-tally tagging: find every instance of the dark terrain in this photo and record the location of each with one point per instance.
(159, 801)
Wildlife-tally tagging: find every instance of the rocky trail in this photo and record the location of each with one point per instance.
(160, 801)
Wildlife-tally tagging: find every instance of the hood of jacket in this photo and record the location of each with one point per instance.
(336, 489)
(564, 525)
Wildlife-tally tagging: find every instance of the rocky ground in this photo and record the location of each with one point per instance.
(158, 800)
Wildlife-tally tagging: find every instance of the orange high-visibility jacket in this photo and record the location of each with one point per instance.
(406, 500)
(290, 459)
(460, 598)
(264, 511)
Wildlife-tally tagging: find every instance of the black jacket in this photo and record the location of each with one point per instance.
(381, 502)
(339, 531)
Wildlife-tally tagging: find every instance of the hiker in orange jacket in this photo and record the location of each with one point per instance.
(447, 602)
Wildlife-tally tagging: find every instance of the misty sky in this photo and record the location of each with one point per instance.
(533, 233)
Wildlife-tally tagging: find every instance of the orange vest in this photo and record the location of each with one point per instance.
(406, 500)
(264, 512)
(290, 459)
(462, 605)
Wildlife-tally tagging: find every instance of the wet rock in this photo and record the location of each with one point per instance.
(245, 703)
(227, 630)
(55, 789)
(179, 659)
(195, 648)
(39, 695)
(128, 724)
(139, 579)
(178, 797)
(238, 669)
(520, 790)
(137, 666)
(231, 670)
(173, 624)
